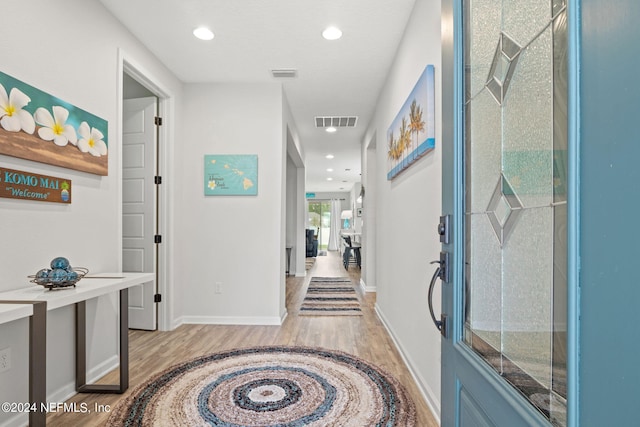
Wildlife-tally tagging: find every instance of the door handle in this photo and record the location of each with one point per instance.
(442, 272)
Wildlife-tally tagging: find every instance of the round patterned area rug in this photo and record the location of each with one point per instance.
(269, 386)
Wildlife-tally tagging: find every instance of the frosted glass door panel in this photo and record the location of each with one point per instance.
(527, 270)
(485, 29)
(524, 19)
(515, 195)
(486, 133)
(484, 313)
(528, 124)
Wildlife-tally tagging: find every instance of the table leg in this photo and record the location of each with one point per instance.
(81, 349)
(38, 364)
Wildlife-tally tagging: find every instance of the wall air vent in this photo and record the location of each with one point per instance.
(336, 121)
(284, 73)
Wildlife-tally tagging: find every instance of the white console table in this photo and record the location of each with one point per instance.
(35, 301)
(9, 313)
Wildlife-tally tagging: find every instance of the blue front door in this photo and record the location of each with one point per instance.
(505, 189)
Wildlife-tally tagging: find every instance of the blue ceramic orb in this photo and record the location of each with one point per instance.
(58, 276)
(72, 276)
(42, 276)
(59, 263)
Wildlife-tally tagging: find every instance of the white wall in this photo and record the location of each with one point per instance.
(369, 215)
(408, 209)
(355, 205)
(68, 48)
(295, 196)
(291, 225)
(295, 220)
(231, 239)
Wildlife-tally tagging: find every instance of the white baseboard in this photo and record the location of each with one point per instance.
(366, 288)
(177, 322)
(426, 391)
(69, 390)
(223, 320)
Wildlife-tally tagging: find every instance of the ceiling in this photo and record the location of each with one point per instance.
(252, 37)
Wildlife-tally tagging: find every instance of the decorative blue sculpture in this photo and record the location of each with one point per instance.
(61, 274)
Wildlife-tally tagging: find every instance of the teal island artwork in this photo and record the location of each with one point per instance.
(230, 175)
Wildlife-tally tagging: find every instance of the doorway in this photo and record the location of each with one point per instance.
(140, 153)
(147, 85)
(320, 221)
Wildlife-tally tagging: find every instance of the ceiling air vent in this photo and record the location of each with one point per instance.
(336, 121)
(284, 73)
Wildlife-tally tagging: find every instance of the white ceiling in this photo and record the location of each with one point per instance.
(252, 37)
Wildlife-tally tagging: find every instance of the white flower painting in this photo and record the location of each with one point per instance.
(40, 127)
(91, 141)
(12, 116)
(54, 127)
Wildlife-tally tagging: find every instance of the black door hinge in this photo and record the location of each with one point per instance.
(157, 180)
(157, 238)
(157, 298)
(158, 121)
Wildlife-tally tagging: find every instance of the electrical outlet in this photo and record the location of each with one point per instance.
(218, 288)
(5, 359)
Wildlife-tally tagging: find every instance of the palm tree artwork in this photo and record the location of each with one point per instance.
(405, 140)
(416, 125)
(391, 154)
(412, 132)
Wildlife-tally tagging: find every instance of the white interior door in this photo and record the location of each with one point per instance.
(139, 206)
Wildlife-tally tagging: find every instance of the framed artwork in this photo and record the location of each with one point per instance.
(230, 175)
(412, 132)
(40, 127)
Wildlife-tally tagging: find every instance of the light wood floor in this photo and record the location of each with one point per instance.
(363, 336)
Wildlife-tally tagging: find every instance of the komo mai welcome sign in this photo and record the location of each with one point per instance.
(16, 184)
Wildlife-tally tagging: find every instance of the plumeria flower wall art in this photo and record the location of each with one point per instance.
(40, 127)
(12, 116)
(54, 127)
(91, 140)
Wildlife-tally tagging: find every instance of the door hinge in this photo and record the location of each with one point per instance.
(157, 180)
(157, 298)
(157, 238)
(158, 121)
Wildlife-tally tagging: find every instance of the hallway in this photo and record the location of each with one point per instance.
(363, 336)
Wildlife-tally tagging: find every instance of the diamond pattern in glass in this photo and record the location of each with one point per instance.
(502, 67)
(503, 210)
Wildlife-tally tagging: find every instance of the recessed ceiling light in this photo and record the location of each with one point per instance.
(332, 33)
(331, 129)
(329, 179)
(329, 156)
(203, 33)
(329, 170)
